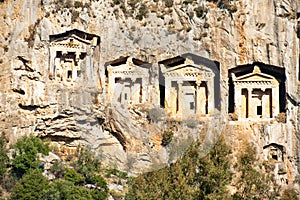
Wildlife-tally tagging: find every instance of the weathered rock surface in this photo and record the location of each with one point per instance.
(259, 31)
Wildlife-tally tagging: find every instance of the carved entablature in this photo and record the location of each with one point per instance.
(128, 80)
(256, 78)
(129, 69)
(256, 95)
(189, 85)
(188, 71)
(71, 55)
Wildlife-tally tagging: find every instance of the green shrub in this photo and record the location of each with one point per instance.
(252, 182)
(86, 163)
(117, 173)
(192, 177)
(4, 160)
(25, 156)
(73, 176)
(31, 186)
(57, 169)
(167, 138)
(99, 182)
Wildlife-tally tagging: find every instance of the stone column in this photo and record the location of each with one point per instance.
(237, 99)
(265, 105)
(210, 96)
(135, 91)
(201, 100)
(180, 97)
(250, 106)
(168, 93)
(275, 101)
(144, 95)
(173, 100)
(51, 63)
(198, 100)
(111, 85)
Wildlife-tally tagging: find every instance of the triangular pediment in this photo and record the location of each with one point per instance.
(186, 68)
(70, 40)
(255, 77)
(128, 66)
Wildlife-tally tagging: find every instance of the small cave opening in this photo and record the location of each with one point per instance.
(28, 107)
(20, 91)
(275, 157)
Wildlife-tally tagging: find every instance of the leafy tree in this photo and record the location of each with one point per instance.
(253, 183)
(73, 176)
(86, 162)
(62, 189)
(101, 191)
(26, 152)
(193, 177)
(30, 186)
(4, 160)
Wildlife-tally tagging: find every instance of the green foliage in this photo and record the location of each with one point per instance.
(26, 152)
(57, 169)
(61, 189)
(116, 172)
(167, 138)
(253, 183)
(31, 186)
(4, 160)
(86, 162)
(73, 176)
(99, 182)
(193, 177)
(78, 193)
(289, 194)
(70, 183)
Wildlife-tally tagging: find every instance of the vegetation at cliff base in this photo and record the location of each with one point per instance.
(22, 176)
(209, 177)
(194, 176)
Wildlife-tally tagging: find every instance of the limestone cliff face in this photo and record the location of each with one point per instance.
(244, 32)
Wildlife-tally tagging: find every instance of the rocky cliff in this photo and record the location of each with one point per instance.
(234, 33)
